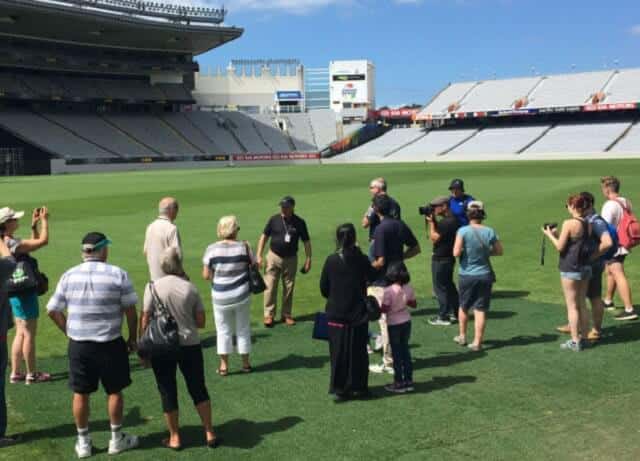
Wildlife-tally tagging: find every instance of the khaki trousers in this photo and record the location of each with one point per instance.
(277, 268)
(387, 358)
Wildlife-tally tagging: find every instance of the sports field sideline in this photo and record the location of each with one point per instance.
(521, 398)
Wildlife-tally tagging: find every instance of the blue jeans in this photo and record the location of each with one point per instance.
(3, 383)
(399, 339)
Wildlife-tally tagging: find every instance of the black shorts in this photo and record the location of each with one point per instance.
(475, 292)
(91, 362)
(595, 282)
(617, 259)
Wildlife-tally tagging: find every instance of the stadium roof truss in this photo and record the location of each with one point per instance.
(128, 24)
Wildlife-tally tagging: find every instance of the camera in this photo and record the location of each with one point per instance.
(426, 210)
(550, 225)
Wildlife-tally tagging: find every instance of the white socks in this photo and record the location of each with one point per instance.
(116, 433)
(83, 435)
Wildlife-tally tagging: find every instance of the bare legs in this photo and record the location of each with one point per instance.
(173, 425)
(24, 346)
(575, 292)
(616, 279)
(479, 325)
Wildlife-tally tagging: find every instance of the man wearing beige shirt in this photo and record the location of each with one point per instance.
(162, 234)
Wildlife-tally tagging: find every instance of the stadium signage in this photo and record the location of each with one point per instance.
(289, 95)
(616, 106)
(560, 110)
(282, 156)
(398, 113)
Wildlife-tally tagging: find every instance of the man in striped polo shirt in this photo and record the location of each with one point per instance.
(95, 295)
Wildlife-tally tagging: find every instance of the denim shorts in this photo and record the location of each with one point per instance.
(584, 274)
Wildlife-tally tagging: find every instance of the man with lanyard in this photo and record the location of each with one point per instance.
(459, 201)
(285, 230)
(393, 241)
(370, 220)
(604, 246)
(442, 233)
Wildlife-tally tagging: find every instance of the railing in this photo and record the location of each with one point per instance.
(175, 13)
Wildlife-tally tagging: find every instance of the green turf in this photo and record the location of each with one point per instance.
(522, 398)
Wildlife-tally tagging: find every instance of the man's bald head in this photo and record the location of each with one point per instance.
(168, 207)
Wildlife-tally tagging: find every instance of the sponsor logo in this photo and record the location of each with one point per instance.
(349, 91)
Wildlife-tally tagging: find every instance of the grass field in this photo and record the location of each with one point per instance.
(521, 398)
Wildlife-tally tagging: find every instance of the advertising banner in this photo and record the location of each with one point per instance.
(615, 106)
(283, 156)
(289, 95)
(398, 113)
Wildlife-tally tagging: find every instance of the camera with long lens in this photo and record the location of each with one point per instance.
(426, 210)
(550, 225)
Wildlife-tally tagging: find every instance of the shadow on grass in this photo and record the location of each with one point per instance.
(436, 384)
(520, 340)
(501, 294)
(292, 362)
(132, 419)
(237, 433)
(210, 341)
(422, 312)
(447, 359)
(620, 334)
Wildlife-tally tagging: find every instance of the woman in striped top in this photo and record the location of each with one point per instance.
(226, 264)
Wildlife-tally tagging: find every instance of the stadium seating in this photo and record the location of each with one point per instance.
(200, 138)
(568, 89)
(497, 94)
(496, 142)
(101, 133)
(379, 148)
(323, 122)
(9, 85)
(452, 94)
(429, 147)
(153, 133)
(243, 127)
(625, 87)
(210, 123)
(299, 128)
(577, 138)
(50, 137)
(630, 142)
(271, 134)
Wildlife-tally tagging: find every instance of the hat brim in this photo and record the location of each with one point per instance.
(17, 215)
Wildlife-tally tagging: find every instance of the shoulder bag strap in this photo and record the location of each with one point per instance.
(476, 234)
(159, 305)
(246, 248)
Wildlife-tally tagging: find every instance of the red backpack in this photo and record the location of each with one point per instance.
(628, 228)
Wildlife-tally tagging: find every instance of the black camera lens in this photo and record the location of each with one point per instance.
(425, 210)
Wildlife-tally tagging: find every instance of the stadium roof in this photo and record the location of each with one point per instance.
(66, 22)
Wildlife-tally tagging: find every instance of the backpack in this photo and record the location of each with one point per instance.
(613, 233)
(628, 228)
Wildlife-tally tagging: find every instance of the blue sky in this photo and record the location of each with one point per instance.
(418, 46)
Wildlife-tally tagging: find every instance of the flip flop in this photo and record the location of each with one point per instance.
(215, 443)
(165, 443)
(222, 372)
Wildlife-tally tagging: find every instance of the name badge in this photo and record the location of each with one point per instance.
(287, 238)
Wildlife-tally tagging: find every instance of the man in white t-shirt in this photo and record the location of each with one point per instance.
(612, 212)
(162, 234)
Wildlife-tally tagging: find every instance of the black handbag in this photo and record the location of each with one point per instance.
(256, 282)
(373, 308)
(320, 326)
(160, 339)
(24, 277)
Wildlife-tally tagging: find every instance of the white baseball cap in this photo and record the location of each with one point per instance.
(7, 214)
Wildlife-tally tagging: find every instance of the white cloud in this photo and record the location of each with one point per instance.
(290, 6)
(635, 30)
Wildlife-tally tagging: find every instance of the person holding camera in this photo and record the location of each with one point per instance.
(24, 305)
(459, 201)
(474, 245)
(442, 233)
(284, 230)
(573, 244)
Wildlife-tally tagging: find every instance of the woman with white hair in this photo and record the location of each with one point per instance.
(181, 298)
(226, 264)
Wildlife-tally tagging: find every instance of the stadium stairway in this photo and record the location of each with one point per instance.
(180, 135)
(445, 152)
(623, 135)
(196, 134)
(131, 137)
(407, 144)
(538, 138)
(228, 126)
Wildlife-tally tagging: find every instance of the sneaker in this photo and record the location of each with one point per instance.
(474, 347)
(379, 343)
(453, 319)
(610, 306)
(37, 377)
(17, 378)
(408, 386)
(570, 345)
(369, 350)
(396, 388)
(461, 340)
(124, 443)
(381, 368)
(84, 450)
(564, 329)
(626, 315)
(437, 321)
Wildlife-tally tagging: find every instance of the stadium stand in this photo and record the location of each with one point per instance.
(435, 143)
(629, 142)
(301, 132)
(452, 95)
(212, 125)
(495, 142)
(379, 148)
(271, 135)
(624, 87)
(497, 94)
(198, 137)
(568, 89)
(323, 123)
(578, 138)
(243, 127)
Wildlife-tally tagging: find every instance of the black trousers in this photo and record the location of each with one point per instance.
(349, 358)
(191, 365)
(444, 287)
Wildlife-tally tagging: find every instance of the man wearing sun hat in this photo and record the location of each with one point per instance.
(284, 230)
(95, 294)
